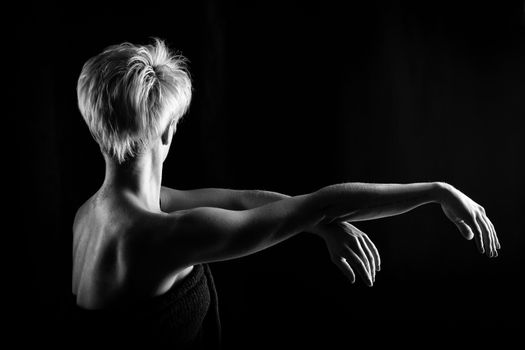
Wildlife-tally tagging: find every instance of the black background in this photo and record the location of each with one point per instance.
(292, 96)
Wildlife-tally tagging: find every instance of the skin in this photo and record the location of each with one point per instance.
(135, 239)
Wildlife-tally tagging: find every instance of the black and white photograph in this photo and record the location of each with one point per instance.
(208, 174)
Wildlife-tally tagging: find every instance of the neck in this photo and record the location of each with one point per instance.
(140, 177)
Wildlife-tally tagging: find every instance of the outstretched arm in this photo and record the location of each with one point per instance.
(372, 201)
(212, 234)
(367, 202)
(335, 235)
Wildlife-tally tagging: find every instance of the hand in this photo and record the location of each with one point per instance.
(471, 220)
(351, 249)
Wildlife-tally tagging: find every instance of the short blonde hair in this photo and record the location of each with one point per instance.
(128, 94)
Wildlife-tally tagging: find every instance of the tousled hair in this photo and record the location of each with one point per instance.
(128, 95)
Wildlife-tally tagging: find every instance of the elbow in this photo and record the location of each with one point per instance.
(241, 201)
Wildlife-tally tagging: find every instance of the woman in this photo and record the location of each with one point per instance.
(141, 250)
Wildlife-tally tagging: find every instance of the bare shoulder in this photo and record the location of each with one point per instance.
(82, 212)
(80, 222)
(110, 251)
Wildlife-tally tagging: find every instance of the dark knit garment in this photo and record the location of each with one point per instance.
(185, 317)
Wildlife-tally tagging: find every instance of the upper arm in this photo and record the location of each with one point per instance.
(173, 200)
(208, 234)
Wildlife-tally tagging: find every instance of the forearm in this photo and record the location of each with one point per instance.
(356, 201)
(342, 202)
(362, 201)
(249, 199)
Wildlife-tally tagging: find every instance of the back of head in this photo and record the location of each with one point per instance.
(128, 95)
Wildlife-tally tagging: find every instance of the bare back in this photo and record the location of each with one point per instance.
(107, 270)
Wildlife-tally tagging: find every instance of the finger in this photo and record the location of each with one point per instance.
(374, 250)
(478, 236)
(353, 259)
(342, 264)
(492, 236)
(498, 245)
(370, 257)
(362, 255)
(464, 229)
(494, 251)
(493, 239)
(362, 249)
(486, 236)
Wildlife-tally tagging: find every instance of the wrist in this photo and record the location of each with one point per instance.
(319, 230)
(441, 191)
(316, 230)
